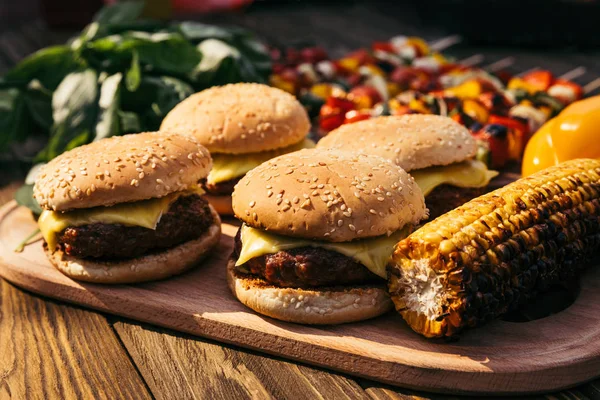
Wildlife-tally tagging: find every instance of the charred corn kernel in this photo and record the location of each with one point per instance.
(280, 83)
(493, 253)
(419, 43)
(321, 90)
(476, 111)
(419, 106)
(350, 63)
(470, 89)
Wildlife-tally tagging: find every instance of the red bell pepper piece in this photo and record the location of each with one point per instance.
(355, 116)
(339, 102)
(540, 80)
(578, 90)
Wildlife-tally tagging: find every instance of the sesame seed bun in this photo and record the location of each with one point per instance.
(145, 268)
(121, 169)
(328, 195)
(221, 203)
(411, 141)
(308, 306)
(240, 118)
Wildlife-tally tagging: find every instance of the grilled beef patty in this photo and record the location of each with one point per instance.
(306, 267)
(187, 218)
(221, 188)
(446, 197)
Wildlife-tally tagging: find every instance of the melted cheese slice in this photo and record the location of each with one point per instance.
(231, 166)
(372, 253)
(145, 213)
(467, 174)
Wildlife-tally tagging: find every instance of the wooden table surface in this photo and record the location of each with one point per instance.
(49, 349)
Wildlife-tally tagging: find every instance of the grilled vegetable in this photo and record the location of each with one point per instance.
(497, 251)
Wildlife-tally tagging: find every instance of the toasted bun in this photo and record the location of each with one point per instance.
(328, 195)
(121, 169)
(412, 141)
(308, 306)
(240, 118)
(221, 203)
(149, 267)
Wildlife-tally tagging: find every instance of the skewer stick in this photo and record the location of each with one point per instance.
(500, 64)
(573, 74)
(527, 71)
(593, 85)
(444, 43)
(472, 61)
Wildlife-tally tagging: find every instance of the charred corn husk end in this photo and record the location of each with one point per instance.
(497, 251)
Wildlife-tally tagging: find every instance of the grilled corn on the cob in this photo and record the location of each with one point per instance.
(497, 251)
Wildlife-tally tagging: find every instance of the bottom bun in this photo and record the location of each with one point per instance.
(221, 203)
(308, 306)
(145, 268)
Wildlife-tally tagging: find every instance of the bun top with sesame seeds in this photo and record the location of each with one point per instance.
(328, 195)
(121, 169)
(240, 118)
(412, 141)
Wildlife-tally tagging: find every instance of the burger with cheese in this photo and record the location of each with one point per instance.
(437, 151)
(318, 229)
(242, 125)
(127, 209)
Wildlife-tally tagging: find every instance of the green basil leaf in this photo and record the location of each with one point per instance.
(197, 31)
(24, 197)
(74, 110)
(39, 104)
(108, 103)
(124, 11)
(218, 65)
(134, 74)
(49, 66)
(13, 117)
(161, 53)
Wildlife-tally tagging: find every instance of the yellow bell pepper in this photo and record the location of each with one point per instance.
(475, 110)
(467, 90)
(321, 90)
(518, 83)
(350, 63)
(419, 106)
(419, 44)
(280, 83)
(571, 134)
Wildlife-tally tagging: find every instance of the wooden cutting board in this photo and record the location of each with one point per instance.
(501, 358)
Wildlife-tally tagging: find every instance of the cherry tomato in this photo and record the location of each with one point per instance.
(366, 91)
(313, 54)
(340, 102)
(383, 46)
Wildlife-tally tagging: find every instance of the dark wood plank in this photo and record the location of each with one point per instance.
(56, 351)
(49, 350)
(176, 365)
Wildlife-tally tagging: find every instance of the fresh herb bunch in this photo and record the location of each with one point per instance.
(121, 75)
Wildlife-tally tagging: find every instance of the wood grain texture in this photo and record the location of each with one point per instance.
(49, 351)
(503, 357)
(198, 369)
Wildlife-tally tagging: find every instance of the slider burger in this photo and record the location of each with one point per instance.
(242, 125)
(318, 230)
(437, 151)
(127, 209)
